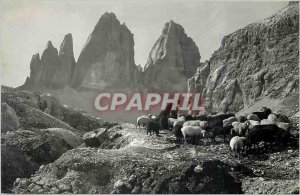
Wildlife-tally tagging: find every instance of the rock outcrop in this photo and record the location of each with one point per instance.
(23, 151)
(35, 71)
(51, 74)
(36, 130)
(107, 59)
(66, 56)
(41, 110)
(53, 70)
(9, 118)
(260, 60)
(173, 58)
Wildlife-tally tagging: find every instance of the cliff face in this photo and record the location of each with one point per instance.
(51, 73)
(107, 59)
(173, 58)
(35, 70)
(54, 69)
(66, 56)
(257, 61)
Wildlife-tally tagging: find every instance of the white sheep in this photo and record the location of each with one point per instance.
(202, 124)
(240, 128)
(237, 144)
(171, 121)
(191, 123)
(272, 117)
(192, 131)
(227, 122)
(253, 117)
(267, 122)
(179, 121)
(142, 120)
(152, 116)
(285, 126)
(253, 123)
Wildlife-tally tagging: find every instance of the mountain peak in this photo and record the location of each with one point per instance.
(66, 46)
(49, 45)
(293, 2)
(107, 54)
(68, 36)
(36, 56)
(109, 15)
(173, 52)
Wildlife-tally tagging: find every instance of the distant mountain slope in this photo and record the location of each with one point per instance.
(54, 69)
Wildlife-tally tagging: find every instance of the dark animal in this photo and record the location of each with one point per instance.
(264, 114)
(163, 123)
(188, 117)
(200, 117)
(217, 120)
(163, 118)
(221, 131)
(241, 118)
(177, 132)
(153, 127)
(173, 114)
(164, 113)
(282, 118)
(268, 134)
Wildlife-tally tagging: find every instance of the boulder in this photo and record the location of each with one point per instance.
(95, 138)
(90, 139)
(23, 151)
(9, 118)
(15, 163)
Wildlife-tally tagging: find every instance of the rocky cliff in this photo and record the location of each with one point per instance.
(260, 60)
(173, 58)
(66, 56)
(53, 70)
(107, 59)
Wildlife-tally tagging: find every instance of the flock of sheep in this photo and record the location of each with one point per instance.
(245, 132)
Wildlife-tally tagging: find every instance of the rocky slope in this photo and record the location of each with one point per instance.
(260, 60)
(107, 59)
(36, 130)
(173, 58)
(47, 152)
(53, 70)
(132, 162)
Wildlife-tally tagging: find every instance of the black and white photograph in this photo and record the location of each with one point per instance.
(149, 96)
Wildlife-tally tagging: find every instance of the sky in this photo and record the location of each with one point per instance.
(27, 25)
